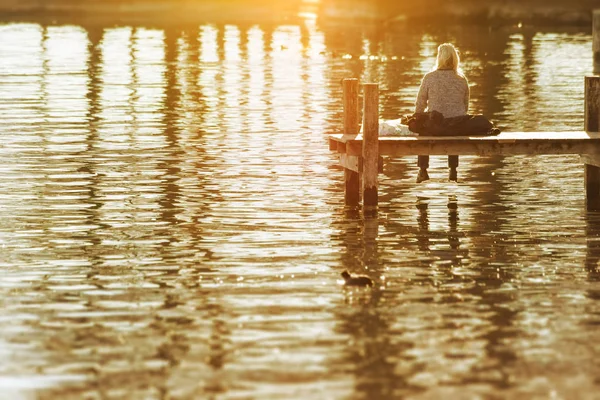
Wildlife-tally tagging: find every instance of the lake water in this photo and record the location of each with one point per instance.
(173, 223)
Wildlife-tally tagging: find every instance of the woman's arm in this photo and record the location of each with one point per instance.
(421, 102)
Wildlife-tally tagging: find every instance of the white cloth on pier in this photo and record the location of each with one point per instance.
(393, 127)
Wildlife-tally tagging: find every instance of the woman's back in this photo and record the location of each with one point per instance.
(445, 91)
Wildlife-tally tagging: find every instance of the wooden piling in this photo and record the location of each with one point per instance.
(452, 165)
(352, 191)
(596, 40)
(370, 150)
(423, 162)
(351, 178)
(592, 124)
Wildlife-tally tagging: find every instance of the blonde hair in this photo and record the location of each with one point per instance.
(448, 58)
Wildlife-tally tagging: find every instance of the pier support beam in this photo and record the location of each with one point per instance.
(592, 124)
(370, 150)
(423, 164)
(452, 165)
(351, 178)
(596, 40)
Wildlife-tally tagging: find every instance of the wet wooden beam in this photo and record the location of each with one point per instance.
(591, 159)
(354, 147)
(332, 144)
(596, 40)
(370, 144)
(352, 187)
(453, 165)
(507, 143)
(592, 124)
(353, 163)
(351, 176)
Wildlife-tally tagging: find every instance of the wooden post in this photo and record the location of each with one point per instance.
(423, 164)
(453, 164)
(592, 124)
(596, 40)
(351, 178)
(370, 150)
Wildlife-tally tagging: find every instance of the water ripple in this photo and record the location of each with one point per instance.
(173, 222)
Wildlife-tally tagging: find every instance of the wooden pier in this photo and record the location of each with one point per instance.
(360, 154)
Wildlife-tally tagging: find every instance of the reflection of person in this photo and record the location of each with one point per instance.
(446, 90)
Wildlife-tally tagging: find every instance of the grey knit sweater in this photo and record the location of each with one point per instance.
(444, 91)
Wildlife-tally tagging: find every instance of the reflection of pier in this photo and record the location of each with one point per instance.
(373, 348)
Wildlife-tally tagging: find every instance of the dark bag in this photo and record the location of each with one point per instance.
(433, 123)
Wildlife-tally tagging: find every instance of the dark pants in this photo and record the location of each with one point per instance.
(423, 161)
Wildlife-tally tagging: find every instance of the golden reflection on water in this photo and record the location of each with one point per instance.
(172, 221)
(257, 104)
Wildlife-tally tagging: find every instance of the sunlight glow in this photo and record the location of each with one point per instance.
(209, 48)
(209, 71)
(232, 77)
(116, 75)
(22, 50)
(427, 53)
(149, 92)
(66, 85)
(255, 56)
(287, 77)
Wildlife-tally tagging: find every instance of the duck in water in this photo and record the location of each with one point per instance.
(360, 280)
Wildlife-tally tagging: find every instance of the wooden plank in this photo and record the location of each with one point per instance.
(353, 163)
(591, 159)
(507, 143)
(504, 136)
(332, 143)
(354, 148)
(592, 187)
(343, 138)
(370, 144)
(352, 187)
(591, 114)
(485, 148)
(596, 40)
(592, 123)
